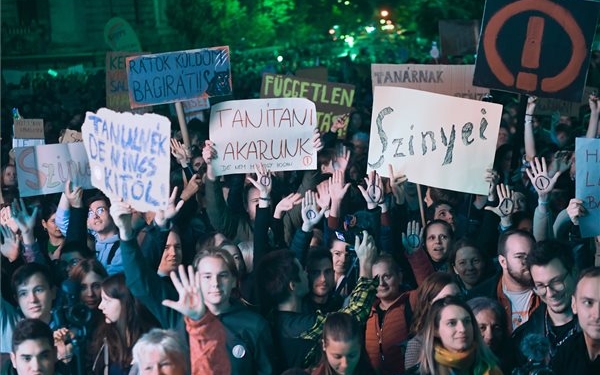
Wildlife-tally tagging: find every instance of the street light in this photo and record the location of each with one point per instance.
(384, 13)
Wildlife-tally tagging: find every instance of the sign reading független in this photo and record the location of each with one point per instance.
(129, 156)
(275, 132)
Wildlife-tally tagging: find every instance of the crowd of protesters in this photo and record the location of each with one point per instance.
(306, 272)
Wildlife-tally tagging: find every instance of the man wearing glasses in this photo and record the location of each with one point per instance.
(551, 265)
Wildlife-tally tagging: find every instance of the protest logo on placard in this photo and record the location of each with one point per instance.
(459, 37)
(129, 156)
(436, 140)
(536, 47)
(275, 132)
(454, 80)
(587, 184)
(177, 76)
(331, 99)
(45, 169)
(117, 90)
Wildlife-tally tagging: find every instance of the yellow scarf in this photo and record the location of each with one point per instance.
(463, 361)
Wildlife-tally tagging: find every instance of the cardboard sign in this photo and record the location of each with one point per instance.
(548, 106)
(331, 99)
(459, 37)
(117, 90)
(195, 108)
(71, 136)
(275, 132)
(29, 128)
(318, 73)
(536, 47)
(129, 156)
(176, 76)
(587, 184)
(18, 142)
(436, 140)
(45, 169)
(453, 80)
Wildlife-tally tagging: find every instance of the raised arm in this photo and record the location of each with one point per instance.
(592, 130)
(530, 151)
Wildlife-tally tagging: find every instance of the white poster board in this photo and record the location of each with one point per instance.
(45, 169)
(129, 156)
(276, 132)
(436, 140)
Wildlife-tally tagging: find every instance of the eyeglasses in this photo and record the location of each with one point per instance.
(99, 211)
(557, 286)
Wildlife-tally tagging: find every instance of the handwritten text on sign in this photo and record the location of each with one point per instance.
(454, 80)
(46, 169)
(331, 99)
(129, 156)
(587, 184)
(276, 132)
(176, 76)
(117, 91)
(436, 140)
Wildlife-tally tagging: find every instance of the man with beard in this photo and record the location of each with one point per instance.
(319, 268)
(580, 353)
(513, 286)
(551, 266)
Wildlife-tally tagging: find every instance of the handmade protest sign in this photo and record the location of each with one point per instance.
(536, 47)
(194, 108)
(587, 184)
(129, 156)
(71, 136)
(117, 89)
(29, 128)
(275, 132)
(454, 80)
(548, 106)
(331, 99)
(120, 36)
(45, 169)
(436, 140)
(176, 76)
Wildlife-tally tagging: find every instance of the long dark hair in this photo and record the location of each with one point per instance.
(134, 321)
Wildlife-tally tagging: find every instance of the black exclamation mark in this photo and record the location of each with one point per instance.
(531, 54)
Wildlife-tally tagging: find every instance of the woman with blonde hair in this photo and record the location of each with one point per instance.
(452, 343)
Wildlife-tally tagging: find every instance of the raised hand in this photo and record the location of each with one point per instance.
(366, 251)
(180, 152)
(397, 181)
(538, 175)
(337, 186)
(74, 196)
(24, 220)
(191, 188)
(10, 243)
(191, 301)
(121, 213)
(339, 123)
(163, 216)
(263, 182)
(492, 178)
(62, 342)
(286, 204)
(342, 158)
(323, 197)
(575, 210)
(316, 140)
(208, 154)
(311, 215)
(506, 205)
(373, 194)
(6, 218)
(412, 239)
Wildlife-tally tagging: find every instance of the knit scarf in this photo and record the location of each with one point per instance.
(463, 361)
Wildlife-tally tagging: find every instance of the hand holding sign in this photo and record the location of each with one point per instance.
(373, 194)
(209, 153)
(311, 215)
(492, 177)
(538, 175)
(575, 210)
(10, 243)
(412, 238)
